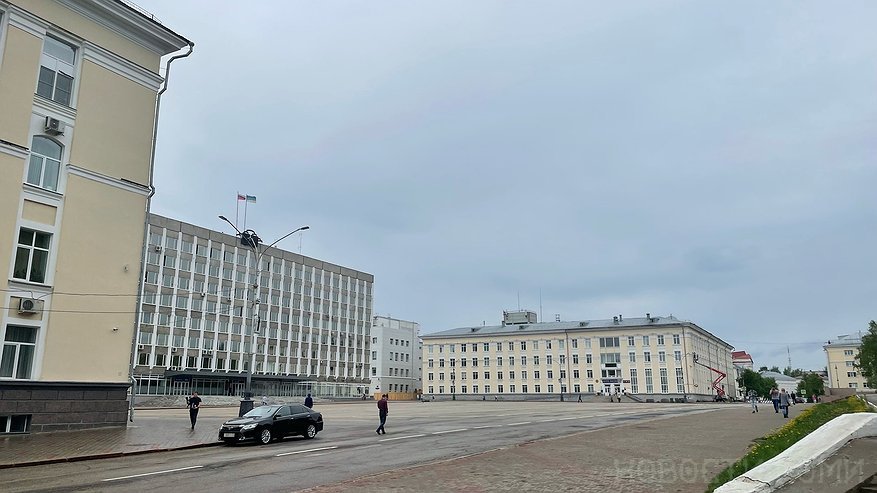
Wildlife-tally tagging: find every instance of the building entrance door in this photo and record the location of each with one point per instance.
(609, 388)
(180, 387)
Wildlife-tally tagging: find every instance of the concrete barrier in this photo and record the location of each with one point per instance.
(807, 453)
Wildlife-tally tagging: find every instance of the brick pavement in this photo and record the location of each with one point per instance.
(680, 454)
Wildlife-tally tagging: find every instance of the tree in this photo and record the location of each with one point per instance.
(750, 380)
(762, 368)
(866, 360)
(775, 369)
(797, 373)
(811, 384)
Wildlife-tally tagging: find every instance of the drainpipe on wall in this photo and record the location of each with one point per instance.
(167, 73)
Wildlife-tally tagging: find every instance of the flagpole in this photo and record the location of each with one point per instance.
(237, 208)
(246, 203)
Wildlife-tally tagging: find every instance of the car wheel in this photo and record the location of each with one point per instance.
(265, 436)
(310, 431)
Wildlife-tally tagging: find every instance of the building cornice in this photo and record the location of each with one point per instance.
(120, 66)
(108, 180)
(27, 22)
(127, 22)
(14, 150)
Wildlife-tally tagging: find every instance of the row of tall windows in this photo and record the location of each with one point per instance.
(547, 344)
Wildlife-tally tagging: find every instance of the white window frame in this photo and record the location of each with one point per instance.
(56, 65)
(16, 353)
(44, 161)
(31, 248)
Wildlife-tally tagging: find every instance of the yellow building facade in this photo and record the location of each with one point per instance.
(840, 354)
(78, 96)
(646, 359)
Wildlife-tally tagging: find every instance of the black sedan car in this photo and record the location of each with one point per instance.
(267, 423)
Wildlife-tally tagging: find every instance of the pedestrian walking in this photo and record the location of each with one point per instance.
(264, 400)
(193, 403)
(775, 398)
(794, 398)
(753, 399)
(784, 402)
(383, 410)
(309, 401)
(580, 397)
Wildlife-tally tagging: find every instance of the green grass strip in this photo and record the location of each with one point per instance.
(772, 445)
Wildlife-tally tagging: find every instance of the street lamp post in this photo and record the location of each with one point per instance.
(560, 380)
(836, 376)
(252, 240)
(453, 389)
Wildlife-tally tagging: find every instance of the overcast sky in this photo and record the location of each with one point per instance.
(711, 161)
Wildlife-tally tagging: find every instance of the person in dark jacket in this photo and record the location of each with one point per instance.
(193, 403)
(309, 401)
(382, 413)
(784, 402)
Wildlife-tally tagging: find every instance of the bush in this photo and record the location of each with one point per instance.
(770, 446)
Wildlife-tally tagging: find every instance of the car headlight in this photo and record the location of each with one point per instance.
(248, 427)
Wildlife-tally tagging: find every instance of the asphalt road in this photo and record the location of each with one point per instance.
(348, 447)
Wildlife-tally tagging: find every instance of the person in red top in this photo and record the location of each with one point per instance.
(382, 413)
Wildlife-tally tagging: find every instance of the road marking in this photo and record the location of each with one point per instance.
(402, 438)
(153, 473)
(547, 420)
(305, 451)
(448, 431)
(485, 426)
(521, 423)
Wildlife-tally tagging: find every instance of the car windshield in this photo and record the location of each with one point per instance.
(261, 411)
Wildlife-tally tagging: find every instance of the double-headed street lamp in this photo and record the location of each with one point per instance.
(251, 239)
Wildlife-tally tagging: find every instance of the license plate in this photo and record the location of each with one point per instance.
(228, 435)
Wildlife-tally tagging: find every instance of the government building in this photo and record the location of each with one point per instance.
(79, 92)
(645, 359)
(212, 310)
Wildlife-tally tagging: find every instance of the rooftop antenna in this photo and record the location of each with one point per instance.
(789, 352)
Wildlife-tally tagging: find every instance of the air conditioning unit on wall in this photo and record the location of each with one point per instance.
(54, 126)
(30, 306)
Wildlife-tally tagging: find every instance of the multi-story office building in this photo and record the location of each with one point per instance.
(648, 358)
(396, 358)
(841, 355)
(78, 97)
(212, 308)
